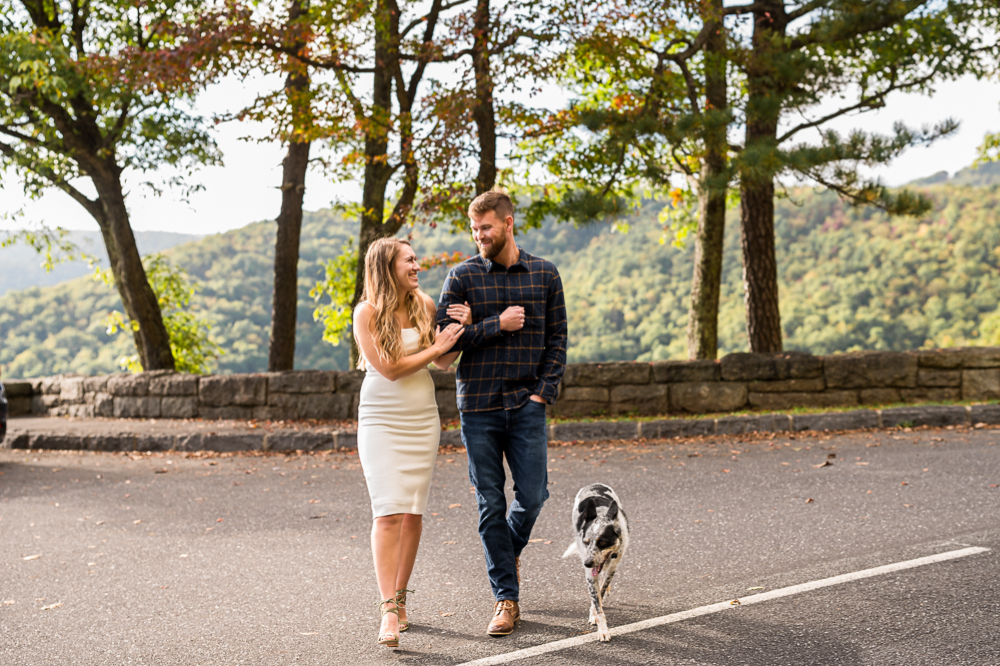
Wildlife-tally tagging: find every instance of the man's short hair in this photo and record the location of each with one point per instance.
(496, 201)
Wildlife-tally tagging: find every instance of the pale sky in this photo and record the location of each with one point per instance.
(245, 189)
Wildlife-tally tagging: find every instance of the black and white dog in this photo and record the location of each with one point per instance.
(601, 539)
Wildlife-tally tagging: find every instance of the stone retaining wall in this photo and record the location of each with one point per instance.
(765, 382)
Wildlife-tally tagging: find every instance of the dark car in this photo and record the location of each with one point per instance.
(3, 414)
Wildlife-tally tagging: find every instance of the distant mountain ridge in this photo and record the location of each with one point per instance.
(20, 266)
(850, 278)
(985, 175)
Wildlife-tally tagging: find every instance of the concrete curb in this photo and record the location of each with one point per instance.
(584, 431)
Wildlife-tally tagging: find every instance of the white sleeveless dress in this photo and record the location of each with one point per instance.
(398, 434)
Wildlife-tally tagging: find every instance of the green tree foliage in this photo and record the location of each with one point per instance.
(190, 341)
(94, 91)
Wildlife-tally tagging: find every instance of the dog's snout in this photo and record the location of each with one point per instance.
(589, 562)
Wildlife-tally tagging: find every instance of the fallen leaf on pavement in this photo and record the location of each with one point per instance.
(535, 540)
(136, 522)
(99, 522)
(449, 543)
(51, 606)
(8, 602)
(184, 555)
(443, 614)
(809, 500)
(759, 587)
(308, 633)
(904, 483)
(825, 463)
(454, 506)
(860, 463)
(30, 557)
(735, 602)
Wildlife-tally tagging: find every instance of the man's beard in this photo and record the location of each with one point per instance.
(494, 248)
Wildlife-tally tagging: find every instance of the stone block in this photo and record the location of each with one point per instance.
(109, 442)
(174, 385)
(668, 428)
(880, 396)
(771, 367)
(674, 372)
(607, 374)
(41, 404)
(49, 385)
(80, 411)
(447, 404)
(598, 394)
(301, 381)
(982, 357)
(594, 431)
(230, 390)
(871, 370)
(71, 390)
(104, 404)
(128, 385)
(227, 442)
(155, 442)
(644, 399)
(179, 407)
(989, 414)
(781, 401)
(48, 442)
(931, 394)
(981, 384)
(347, 439)
(16, 389)
(232, 412)
(350, 382)
(705, 397)
(324, 406)
(299, 441)
(19, 406)
(136, 407)
(937, 377)
(941, 358)
(580, 408)
(22, 440)
(191, 442)
(856, 420)
(738, 425)
(97, 384)
(444, 379)
(930, 416)
(789, 386)
(451, 437)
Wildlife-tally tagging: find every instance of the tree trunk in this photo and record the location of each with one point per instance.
(760, 269)
(706, 284)
(483, 112)
(138, 297)
(284, 306)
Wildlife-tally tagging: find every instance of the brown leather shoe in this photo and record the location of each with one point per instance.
(505, 614)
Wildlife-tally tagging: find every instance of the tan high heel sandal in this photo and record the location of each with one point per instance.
(388, 638)
(400, 600)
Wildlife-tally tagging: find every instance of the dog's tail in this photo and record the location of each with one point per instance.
(572, 550)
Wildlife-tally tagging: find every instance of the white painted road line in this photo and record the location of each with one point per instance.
(721, 606)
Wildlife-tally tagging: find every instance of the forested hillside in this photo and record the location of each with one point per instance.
(850, 279)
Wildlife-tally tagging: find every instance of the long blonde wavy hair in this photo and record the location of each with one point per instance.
(382, 294)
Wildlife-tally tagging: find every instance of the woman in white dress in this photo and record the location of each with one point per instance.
(398, 424)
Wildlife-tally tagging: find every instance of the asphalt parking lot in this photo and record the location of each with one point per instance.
(172, 558)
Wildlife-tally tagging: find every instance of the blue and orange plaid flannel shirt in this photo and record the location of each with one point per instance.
(502, 369)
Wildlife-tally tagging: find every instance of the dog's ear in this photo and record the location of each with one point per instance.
(612, 511)
(588, 512)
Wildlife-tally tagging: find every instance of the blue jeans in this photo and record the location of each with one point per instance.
(520, 434)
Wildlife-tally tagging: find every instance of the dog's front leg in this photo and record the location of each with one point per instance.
(596, 609)
(609, 573)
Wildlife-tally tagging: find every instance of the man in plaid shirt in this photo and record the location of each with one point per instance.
(513, 357)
